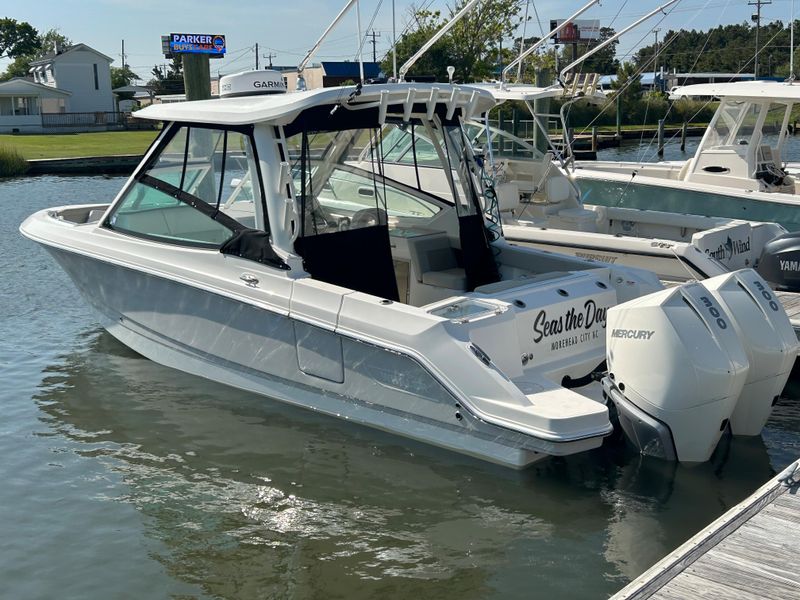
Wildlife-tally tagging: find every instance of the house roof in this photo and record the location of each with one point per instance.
(126, 89)
(350, 69)
(644, 79)
(48, 58)
(19, 85)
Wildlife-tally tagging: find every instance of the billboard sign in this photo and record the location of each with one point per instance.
(580, 30)
(197, 43)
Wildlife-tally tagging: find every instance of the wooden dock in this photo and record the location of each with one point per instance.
(751, 552)
(791, 304)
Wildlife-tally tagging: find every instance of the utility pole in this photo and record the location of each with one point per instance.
(555, 46)
(394, 45)
(123, 55)
(374, 43)
(655, 60)
(256, 56)
(269, 57)
(757, 18)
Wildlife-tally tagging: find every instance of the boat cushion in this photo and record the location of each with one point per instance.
(432, 253)
(558, 189)
(454, 279)
(507, 196)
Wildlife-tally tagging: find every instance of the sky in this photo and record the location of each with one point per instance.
(288, 28)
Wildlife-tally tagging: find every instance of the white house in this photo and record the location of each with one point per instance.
(81, 70)
(22, 103)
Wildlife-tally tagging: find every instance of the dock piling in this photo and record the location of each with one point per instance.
(661, 138)
(683, 137)
(594, 138)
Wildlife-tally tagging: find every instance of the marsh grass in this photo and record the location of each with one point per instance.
(12, 164)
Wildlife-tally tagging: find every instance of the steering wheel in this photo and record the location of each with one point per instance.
(367, 217)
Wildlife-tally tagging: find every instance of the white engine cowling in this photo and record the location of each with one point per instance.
(769, 340)
(676, 370)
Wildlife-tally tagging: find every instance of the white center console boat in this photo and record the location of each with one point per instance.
(740, 170)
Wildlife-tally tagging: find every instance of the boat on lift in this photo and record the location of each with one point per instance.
(248, 249)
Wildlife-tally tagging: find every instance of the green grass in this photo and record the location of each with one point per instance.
(11, 163)
(78, 145)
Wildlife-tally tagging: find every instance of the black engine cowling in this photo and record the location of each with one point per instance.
(780, 262)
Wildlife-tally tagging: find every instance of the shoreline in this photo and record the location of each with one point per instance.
(85, 165)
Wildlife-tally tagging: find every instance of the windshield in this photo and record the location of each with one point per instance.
(338, 177)
(729, 118)
(198, 189)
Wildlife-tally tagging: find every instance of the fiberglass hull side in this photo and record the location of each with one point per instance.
(241, 345)
(658, 256)
(648, 193)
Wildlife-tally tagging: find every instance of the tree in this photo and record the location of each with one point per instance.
(544, 58)
(605, 60)
(471, 46)
(47, 42)
(477, 37)
(168, 80)
(628, 86)
(17, 39)
(19, 67)
(122, 76)
(424, 24)
(727, 48)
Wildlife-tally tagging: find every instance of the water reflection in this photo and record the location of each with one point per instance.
(254, 498)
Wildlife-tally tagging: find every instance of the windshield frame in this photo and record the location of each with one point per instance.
(141, 175)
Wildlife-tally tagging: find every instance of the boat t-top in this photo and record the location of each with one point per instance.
(247, 248)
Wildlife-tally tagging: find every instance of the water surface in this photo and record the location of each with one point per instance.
(125, 479)
(645, 149)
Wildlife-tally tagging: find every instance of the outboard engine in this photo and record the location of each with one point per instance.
(780, 262)
(676, 370)
(769, 341)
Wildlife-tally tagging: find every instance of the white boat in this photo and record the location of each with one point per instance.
(739, 170)
(541, 205)
(247, 248)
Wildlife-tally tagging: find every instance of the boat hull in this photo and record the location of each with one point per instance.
(257, 350)
(680, 197)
